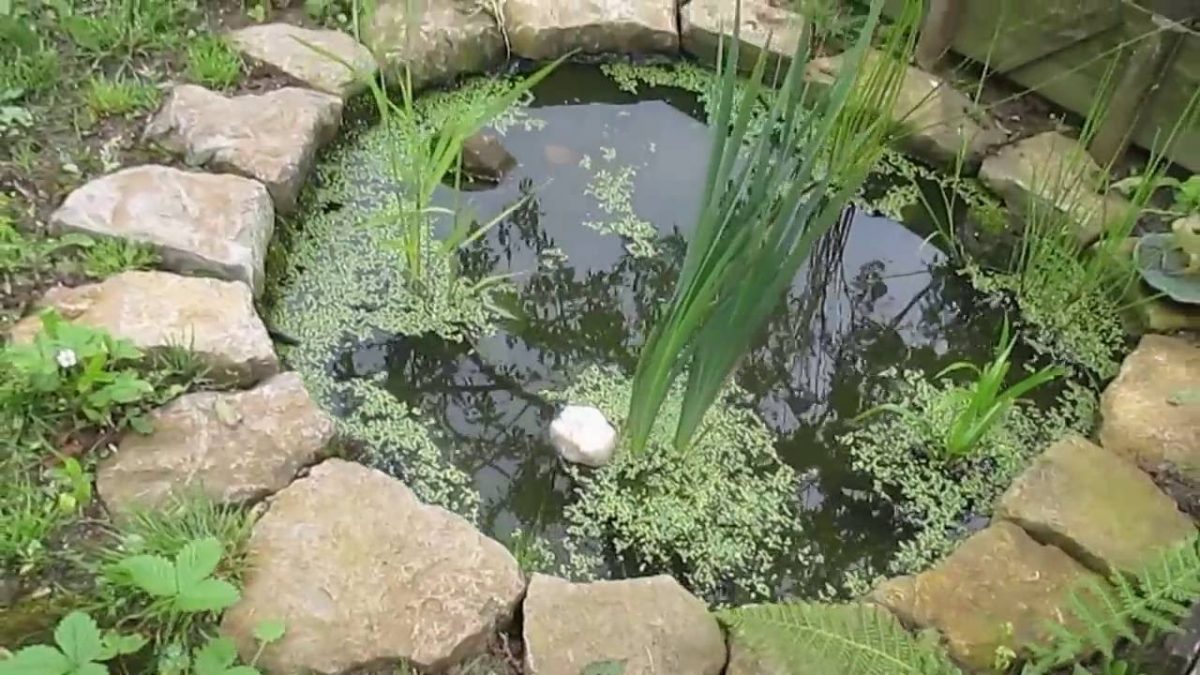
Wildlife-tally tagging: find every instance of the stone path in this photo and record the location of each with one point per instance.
(363, 573)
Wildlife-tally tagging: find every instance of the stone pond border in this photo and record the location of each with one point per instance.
(362, 572)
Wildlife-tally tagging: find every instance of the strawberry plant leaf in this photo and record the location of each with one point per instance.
(78, 638)
(90, 668)
(116, 644)
(153, 574)
(242, 670)
(209, 595)
(214, 657)
(196, 561)
(36, 660)
(268, 631)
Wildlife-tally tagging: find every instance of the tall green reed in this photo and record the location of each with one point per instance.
(767, 199)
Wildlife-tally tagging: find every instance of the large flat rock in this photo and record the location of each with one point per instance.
(765, 27)
(235, 448)
(343, 70)
(1094, 505)
(652, 625)
(362, 573)
(1150, 413)
(998, 579)
(548, 29)
(1056, 172)
(199, 223)
(452, 38)
(157, 311)
(272, 137)
(934, 121)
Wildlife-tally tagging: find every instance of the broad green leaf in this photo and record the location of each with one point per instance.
(90, 668)
(196, 561)
(78, 638)
(209, 595)
(36, 660)
(214, 657)
(116, 644)
(153, 574)
(242, 670)
(269, 630)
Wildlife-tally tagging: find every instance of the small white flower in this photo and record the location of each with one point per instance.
(66, 358)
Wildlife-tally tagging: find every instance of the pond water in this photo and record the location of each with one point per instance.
(875, 295)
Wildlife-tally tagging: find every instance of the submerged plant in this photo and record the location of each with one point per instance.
(766, 200)
(983, 403)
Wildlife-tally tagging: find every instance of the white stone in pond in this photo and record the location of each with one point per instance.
(581, 435)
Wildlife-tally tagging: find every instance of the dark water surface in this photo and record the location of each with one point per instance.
(875, 295)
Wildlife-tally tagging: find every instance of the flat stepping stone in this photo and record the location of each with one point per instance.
(705, 23)
(157, 311)
(548, 29)
(235, 448)
(272, 137)
(1150, 414)
(936, 122)
(997, 579)
(199, 223)
(362, 573)
(1057, 172)
(652, 625)
(286, 47)
(453, 38)
(1096, 506)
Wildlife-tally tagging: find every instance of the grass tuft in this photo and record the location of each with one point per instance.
(212, 62)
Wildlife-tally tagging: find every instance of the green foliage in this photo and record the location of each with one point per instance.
(766, 200)
(124, 28)
(108, 257)
(1185, 194)
(213, 63)
(107, 97)
(719, 515)
(1157, 597)
(604, 668)
(79, 649)
(983, 403)
(935, 498)
(814, 638)
(613, 192)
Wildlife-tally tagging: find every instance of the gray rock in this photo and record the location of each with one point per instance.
(764, 27)
(199, 223)
(453, 38)
(652, 625)
(158, 311)
(1151, 411)
(361, 573)
(1000, 588)
(1056, 172)
(235, 448)
(548, 29)
(485, 158)
(284, 46)
(1095, 506)
(272, 137)
(935, 121)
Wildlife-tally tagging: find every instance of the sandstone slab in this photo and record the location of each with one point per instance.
(1094, 505)
(998, 589)
(199, 223)
(548, 29)
(157, 311)
(1150, 414)
(1052, 171)
(934, 121)
(451, 38)
(272, 137)
(235, 448)
(362, 573)
(765, 27)
(287, 48)
(652, 625)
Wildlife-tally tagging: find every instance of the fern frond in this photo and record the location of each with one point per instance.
(860, 639)
(1157, 597)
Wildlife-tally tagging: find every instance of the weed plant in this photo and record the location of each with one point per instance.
(106, 97)
(213, 63)
(765, 202)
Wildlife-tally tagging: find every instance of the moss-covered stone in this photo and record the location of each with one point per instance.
(1094, 505)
